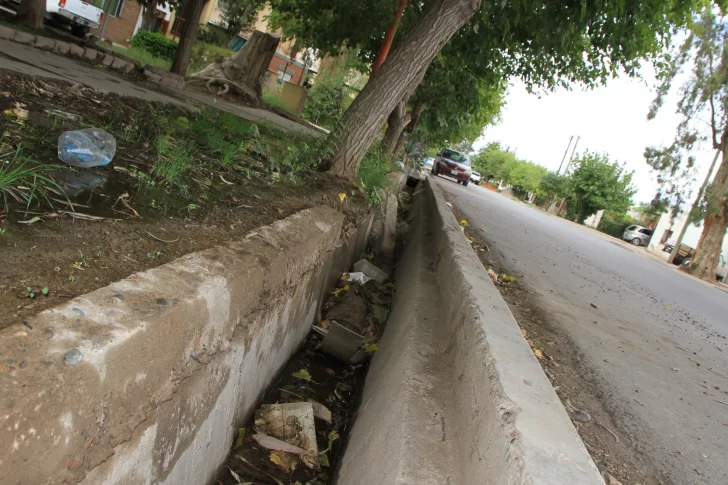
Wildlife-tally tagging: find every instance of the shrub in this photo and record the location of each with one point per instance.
(615, 224)
(373, 171)
(155, 43)
(213, 35)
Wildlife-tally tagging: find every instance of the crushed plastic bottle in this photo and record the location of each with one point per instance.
(91, 147)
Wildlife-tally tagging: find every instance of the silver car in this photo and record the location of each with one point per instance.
(637, 235)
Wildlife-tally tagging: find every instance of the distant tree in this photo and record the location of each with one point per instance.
(595, 184)
(704, 95)
(554, 186)
(493, 161)
(239, 15)
(527, 176)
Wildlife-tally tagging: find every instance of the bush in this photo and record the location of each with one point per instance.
(373, 171)
(155, 43)
(213, 35)
(615, 224)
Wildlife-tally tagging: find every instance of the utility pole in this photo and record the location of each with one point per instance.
(572, 153)
(388, 37)
(571, 138)
(676, 247)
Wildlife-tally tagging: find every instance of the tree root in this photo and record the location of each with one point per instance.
(226, 86)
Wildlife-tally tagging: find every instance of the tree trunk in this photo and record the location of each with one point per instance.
(398, 119)
(191, 13)
(30, 13)
(384, 90)
(707, 253)
(246, 67)
(148, 15)
(414, 120)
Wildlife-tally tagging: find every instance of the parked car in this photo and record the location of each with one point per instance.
(79, 15)
(683, 259)
(454, 164)
(637, 235)
(475, 178)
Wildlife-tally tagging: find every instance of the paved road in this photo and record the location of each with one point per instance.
(35, 62)
(651, 320)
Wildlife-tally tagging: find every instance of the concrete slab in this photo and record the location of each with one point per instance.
(23, 37)
(45, 43)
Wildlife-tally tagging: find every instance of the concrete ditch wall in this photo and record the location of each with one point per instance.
(173, 359)
(454, 395)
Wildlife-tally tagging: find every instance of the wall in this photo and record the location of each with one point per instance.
(691, 238)
(119, 29)
(173, 358)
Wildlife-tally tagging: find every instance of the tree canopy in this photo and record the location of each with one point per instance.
(596, 183)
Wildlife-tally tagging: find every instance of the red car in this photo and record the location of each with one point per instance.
(452, 164)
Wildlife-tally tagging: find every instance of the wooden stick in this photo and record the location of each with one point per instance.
(160, 239)
(610, 431)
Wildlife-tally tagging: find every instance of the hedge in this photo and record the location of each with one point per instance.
(155, 43)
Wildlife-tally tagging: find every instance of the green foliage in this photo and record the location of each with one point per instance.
(238, 15)
(373, 171)
(24, 182)
(155, 43)
(174, 161)
(554, 185)
(595, 184)
(142, 56)
(325, 102)
(526, 176)
(615, 224)
(211, 34)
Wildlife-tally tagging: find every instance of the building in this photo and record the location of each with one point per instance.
(667, 230)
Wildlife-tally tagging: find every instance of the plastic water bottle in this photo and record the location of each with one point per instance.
(91, 147)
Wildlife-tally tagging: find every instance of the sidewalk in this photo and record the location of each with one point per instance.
(35, 62)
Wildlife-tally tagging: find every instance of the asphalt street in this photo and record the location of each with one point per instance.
(653, 338)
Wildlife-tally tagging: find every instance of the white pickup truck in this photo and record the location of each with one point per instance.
(81, 16)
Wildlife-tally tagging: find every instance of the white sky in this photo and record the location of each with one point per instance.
(611, 119)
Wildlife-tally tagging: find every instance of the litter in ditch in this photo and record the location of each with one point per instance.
(296, 435)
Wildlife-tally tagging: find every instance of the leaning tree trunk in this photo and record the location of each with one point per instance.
(385, 88)
(243, 72)
(191, 13)
(399, 118)
(414, 119)
(715, 223)
(148, 15)
(30, 13)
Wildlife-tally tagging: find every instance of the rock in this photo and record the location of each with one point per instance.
(62, 47)
(45, 43)
(107, 60)
(371, 271)
(91, 54)
(582, 416)
(72, 357)
(77, 311)
(24, 38)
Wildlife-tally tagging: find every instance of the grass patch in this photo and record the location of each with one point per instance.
(24, 182)
(174, 162)
(373, 171)
(273, 99)
(141, 55)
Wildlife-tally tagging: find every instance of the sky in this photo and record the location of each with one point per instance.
(611, 119)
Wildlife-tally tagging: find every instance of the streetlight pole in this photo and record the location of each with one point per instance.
(571, 138)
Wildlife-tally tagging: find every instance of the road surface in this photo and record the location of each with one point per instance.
(659, 348)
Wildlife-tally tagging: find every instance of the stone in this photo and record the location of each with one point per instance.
(107, 60)
(24, 38)
(582, 416)
(62, 47)
(91, 54)
(45, 43)
(7, 33)
(120, 64)
(72, 358)
(155, 78)
(76, 50)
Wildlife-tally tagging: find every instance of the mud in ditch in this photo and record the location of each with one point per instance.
(109, 222)
(312, 375)
(560, 360)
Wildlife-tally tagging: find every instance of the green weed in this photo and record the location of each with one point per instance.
(24, 182)
(373, 171)
(174, 161)
(142, 56)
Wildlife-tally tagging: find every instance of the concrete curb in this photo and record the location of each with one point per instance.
(454, 395)
(144, 381)
(102, 58)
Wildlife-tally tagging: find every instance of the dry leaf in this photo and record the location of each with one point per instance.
(239, 441)
(523, 331)
(284, 460)
(325, 324)
(303, 375)
(538, 353)
(342, 197)
(371, 348)
(333, 436)
(325, 460)
(464, 223)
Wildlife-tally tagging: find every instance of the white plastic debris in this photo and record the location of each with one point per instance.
(358, 277)
(371, 271)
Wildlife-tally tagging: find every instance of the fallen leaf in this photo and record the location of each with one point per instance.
(239, 441)
(380, 313)
(321, 412)
(45, 290)
(235, 475)
(667, 306)
(523, 331)
(284, 460)
(303, 375)
(345, 277)
(272, 443)
(333, 436)
(507, 278)
(538, 353)
(464, 223)
(371, 348)
(280, 211)
(483, 229)
(330, 372)
(325, 324)
(342, 197)
(676, 369)
(339, 290)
